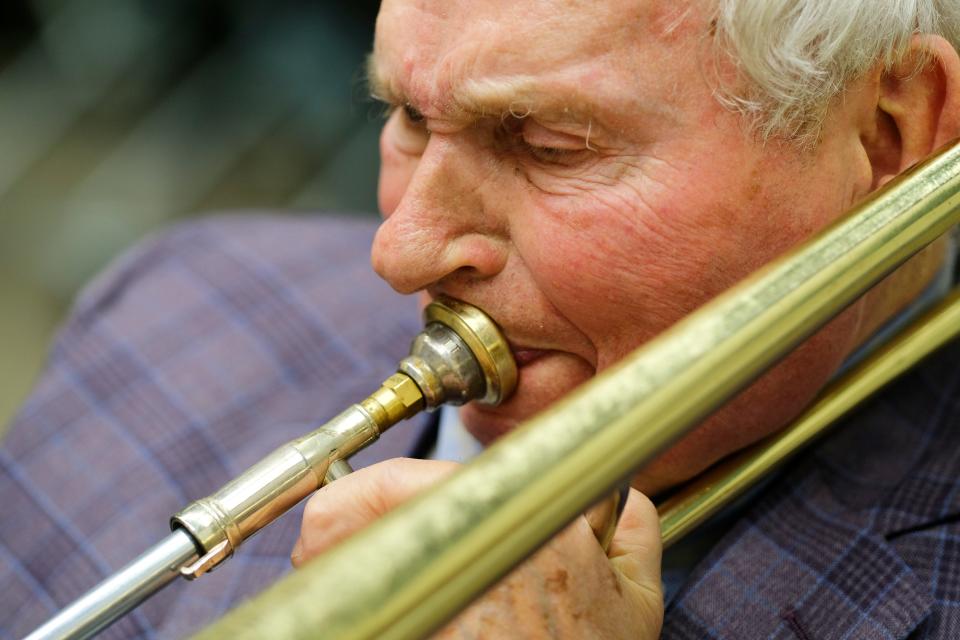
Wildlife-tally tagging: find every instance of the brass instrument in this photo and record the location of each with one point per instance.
(460, 356)
(414, 569)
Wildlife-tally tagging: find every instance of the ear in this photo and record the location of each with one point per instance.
(918, 107)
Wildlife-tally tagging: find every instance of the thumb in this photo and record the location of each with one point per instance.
(340, 509)
(636, 546)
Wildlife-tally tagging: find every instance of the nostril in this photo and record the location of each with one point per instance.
(409, 264)
(417, 247)
(477, 255)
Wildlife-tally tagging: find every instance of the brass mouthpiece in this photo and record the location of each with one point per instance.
(460, 356)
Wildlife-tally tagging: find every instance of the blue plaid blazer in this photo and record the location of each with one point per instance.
(205, 348)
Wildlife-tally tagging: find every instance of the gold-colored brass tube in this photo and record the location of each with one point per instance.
(413, 570)
(707, 494)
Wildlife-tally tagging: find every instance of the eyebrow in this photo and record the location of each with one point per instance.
(518, 96)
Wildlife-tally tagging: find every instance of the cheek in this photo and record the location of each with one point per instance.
(621, 270)
(606, 271)
(764, 407)
(626, 262)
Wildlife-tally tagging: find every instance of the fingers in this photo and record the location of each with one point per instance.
(602, 518)
(636, 547)
(568, 587)
(340, 509)
(571, 589)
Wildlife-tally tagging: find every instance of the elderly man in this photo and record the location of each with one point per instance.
(588, 173)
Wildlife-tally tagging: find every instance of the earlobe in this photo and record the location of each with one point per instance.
(918, 107)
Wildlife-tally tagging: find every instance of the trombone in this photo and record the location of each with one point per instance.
(414, 569)
(459, 356)
(407, 574)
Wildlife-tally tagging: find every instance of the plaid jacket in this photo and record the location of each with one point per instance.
(202, 350)
(858, 539)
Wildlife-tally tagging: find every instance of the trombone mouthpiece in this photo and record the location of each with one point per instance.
(460, 356)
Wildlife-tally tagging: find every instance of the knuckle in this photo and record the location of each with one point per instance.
(643, 506)
(313, 510)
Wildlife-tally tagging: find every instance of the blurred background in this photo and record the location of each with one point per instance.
(119, 117)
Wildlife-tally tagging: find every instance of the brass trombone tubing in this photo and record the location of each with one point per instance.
(413, 570)
(694, 504)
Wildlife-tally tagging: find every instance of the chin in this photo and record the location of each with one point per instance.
(540, 383)
(486, 424)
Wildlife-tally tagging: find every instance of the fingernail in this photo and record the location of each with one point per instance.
(297, 553)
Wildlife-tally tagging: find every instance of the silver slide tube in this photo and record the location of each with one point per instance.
(122, 591)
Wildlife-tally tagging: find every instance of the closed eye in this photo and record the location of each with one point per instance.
(550, 155)
(413, 116)
(549, 146)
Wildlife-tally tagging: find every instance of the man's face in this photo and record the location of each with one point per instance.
(565, 166)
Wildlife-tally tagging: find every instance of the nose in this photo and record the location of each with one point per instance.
(445, 224)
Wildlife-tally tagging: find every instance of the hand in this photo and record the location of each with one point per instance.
(568, 589)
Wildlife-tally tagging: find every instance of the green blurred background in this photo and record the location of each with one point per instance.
(119, 117)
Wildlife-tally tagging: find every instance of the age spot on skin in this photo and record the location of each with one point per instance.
(557, 583)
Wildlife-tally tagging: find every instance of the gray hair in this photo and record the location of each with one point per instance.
(798, 56)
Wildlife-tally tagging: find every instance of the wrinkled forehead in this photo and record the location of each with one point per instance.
(426, 49)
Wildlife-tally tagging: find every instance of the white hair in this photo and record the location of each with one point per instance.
(798, 56)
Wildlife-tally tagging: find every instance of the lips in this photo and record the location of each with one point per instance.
(522, 355)
(526, 355)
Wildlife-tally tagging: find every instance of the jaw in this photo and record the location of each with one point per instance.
(540, 384)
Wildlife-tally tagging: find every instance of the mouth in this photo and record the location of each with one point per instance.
(523, 355)
(526, 355)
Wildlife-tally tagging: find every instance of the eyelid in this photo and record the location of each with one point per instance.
(413, 115)
(408, 137)
(537, 135)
